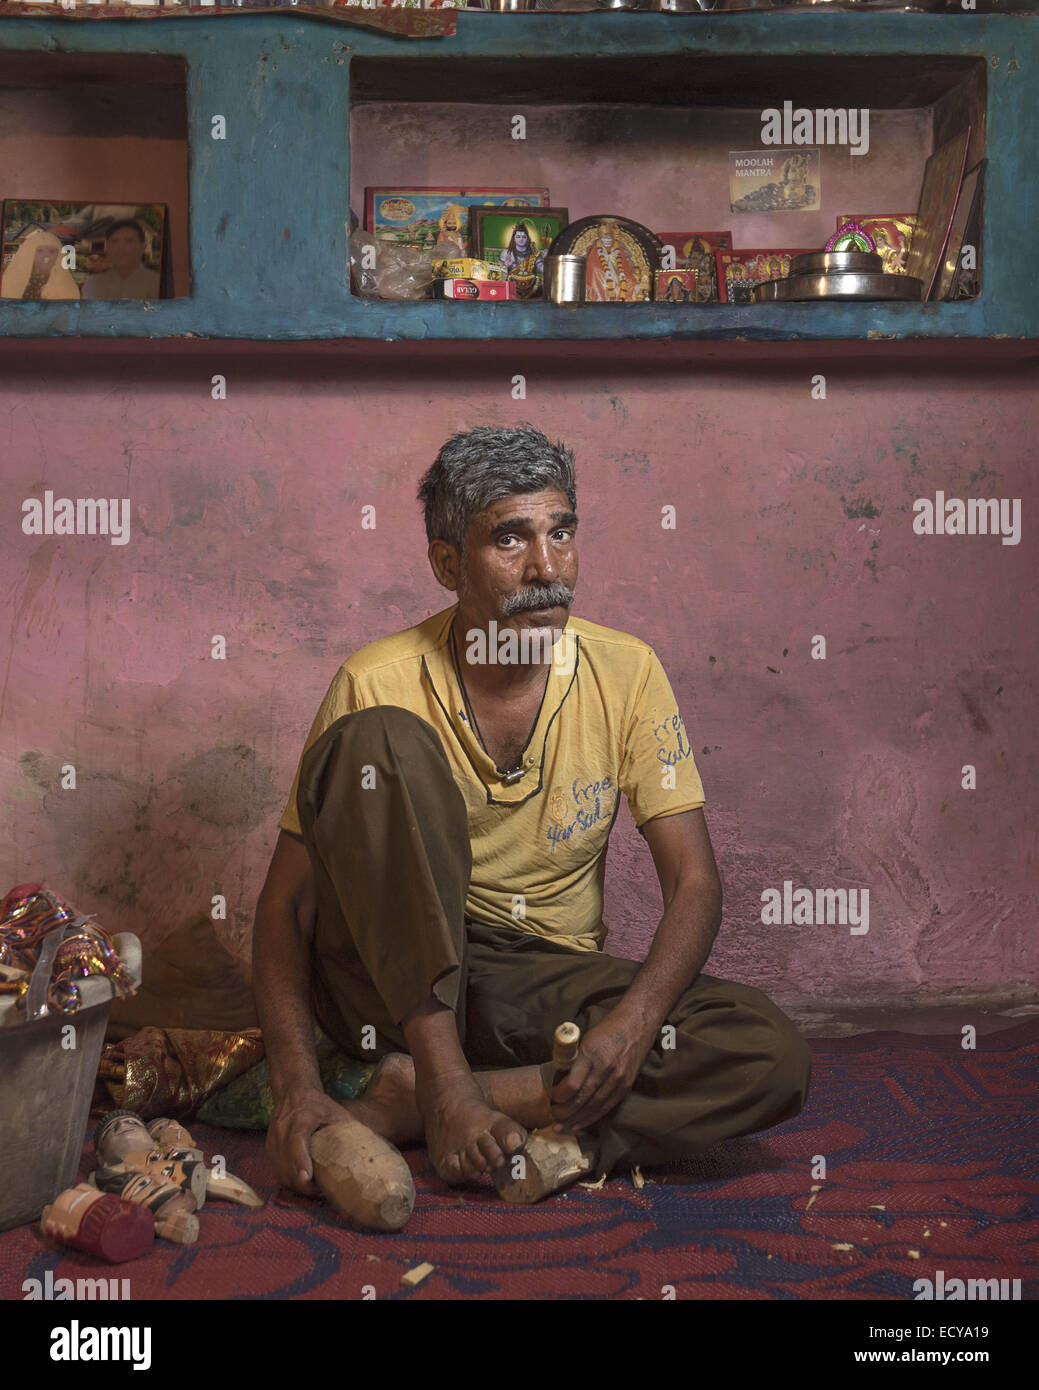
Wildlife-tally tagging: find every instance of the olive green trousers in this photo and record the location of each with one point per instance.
(387, 833)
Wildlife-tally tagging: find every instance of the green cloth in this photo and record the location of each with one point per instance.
(247, 1102)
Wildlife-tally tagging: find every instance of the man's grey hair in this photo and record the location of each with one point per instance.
(484, 465)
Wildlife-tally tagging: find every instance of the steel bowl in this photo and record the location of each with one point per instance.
(834, 262)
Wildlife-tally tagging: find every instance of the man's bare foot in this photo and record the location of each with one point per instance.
(388, 1105)
(464, 1136)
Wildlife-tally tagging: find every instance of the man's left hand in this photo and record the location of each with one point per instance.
(605, 1070)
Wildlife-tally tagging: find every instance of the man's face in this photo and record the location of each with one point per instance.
(124, 249)
(45, 258)
(520, 562)
(521, 242)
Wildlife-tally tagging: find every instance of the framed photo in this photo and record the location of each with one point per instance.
(695, 251)
(955, 279)
(621, 257)
(943, 175)
(101, 251)
(740, 271)
(675, 286)
(518, 241)
(437, 219)
(892, 232)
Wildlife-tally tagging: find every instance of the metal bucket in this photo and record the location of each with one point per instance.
(45, 1092)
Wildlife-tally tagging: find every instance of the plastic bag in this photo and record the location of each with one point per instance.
(381, 269)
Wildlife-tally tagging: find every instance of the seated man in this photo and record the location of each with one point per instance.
(435, 895)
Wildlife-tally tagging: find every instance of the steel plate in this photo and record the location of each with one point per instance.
(851, 285)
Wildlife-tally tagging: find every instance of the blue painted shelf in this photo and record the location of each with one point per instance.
(283, 82)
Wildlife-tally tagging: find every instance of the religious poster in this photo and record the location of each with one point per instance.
(621, 257)
(437, 219)
(892, 233)
(518, 242)
(695, 251)
(740, 270)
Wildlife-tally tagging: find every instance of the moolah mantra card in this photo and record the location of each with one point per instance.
(766, 180)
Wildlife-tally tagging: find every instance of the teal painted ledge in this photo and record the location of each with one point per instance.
(267, 217)
(434, 319)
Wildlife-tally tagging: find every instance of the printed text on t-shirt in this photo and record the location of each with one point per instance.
(591, 812)
(674, 727)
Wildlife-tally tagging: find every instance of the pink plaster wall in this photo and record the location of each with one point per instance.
(667, 167)
(794, 519)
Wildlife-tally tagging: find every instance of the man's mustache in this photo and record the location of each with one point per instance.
(527, 600)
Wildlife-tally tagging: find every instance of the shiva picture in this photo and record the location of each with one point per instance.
(519, 244)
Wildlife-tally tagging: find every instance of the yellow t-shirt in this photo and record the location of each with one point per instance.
(608, 723)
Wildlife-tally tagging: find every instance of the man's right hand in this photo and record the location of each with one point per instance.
(296, 1116)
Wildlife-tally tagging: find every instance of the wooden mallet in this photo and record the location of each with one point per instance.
(547, 1161)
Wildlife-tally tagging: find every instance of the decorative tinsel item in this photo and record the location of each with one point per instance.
(46, 946)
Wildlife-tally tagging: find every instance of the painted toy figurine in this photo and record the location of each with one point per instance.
(119, 1133)
(187, 1174)
(175, 1142)
(99, 1223)
(167, 1133)
(220, 1184)
(174, 1210)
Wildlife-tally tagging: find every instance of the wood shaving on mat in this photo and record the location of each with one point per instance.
(913, 1254)
(594, 1186)
(877, 1206)
(416, 1275)
(842, 1247)
(637, 1178)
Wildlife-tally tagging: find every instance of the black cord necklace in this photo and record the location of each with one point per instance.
(510, 776)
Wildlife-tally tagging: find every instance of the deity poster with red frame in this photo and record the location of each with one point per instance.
(892, 232)
(740, 270)
(695, 251)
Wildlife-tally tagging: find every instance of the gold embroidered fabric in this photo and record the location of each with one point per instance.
(171, 1071)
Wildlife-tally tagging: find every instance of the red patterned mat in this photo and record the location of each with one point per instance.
(930, 1165)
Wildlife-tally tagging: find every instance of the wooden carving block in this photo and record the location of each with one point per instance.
(363, 1176)
(546, 1163)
